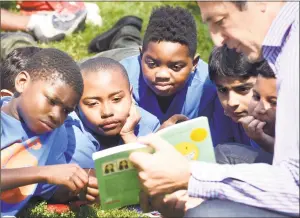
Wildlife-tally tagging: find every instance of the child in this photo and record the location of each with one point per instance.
(235, 78)
(12, 65)
(260, 125)
(168, 77)
(32, 138)
(106, 115)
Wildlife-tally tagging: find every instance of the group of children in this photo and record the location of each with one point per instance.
(55, 113)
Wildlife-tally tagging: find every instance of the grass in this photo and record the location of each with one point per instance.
(111, 12)
(38, 211)
(76, 45)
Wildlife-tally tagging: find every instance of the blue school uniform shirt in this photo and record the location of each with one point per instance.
(190, 101)
(82, 142)
(22, 148)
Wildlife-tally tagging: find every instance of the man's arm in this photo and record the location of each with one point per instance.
(262, 185)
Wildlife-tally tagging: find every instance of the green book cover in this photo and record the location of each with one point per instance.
(191, 138)
(117, 179)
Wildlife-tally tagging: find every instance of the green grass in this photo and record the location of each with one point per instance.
(39, 211)
(111, 12)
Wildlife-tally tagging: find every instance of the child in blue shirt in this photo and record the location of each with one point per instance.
(106, 115)
(235, 77)
(168, 77)
(33, 139)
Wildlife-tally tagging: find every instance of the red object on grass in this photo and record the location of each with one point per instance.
(31, 7)
(58, 208)
(62, 208)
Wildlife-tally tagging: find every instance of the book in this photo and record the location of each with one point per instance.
(118, 182)
(191, 138)
(117, 178)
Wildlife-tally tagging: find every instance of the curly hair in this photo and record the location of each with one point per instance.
(172, 24)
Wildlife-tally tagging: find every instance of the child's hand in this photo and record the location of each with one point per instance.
(176, 118)
(70, 175)
(91, 193)
(127, 132)
(254, 130)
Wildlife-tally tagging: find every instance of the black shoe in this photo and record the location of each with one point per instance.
(101, 42)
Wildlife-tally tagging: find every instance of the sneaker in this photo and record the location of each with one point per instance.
(101, 42)
(54, 26)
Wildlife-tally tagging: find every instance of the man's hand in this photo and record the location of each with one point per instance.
(163, 172)
(254, 130)
(177, 118)
(127, 132)
(70, 175)
(175, 204)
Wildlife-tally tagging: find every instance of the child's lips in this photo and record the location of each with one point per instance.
(163, 86)
(109, 125)
(48, 125)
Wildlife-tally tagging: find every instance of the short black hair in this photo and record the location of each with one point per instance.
(51, 64)
(229, 63)
(14, 64)
(172, 25)
(263, 68)
(97, 64)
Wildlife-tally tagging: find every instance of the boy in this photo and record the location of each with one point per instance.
(12, 65)
(260, 125)
(167, 77)
(32, 138)
(106, 115)
(235, 78)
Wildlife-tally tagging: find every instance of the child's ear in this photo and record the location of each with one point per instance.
(21, 81)
(195, 61)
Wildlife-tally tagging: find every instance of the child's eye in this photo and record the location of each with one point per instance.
(243, 90)
(151, 64)
(222, 90)
(117, 99)
(177, 67)
(91, 104)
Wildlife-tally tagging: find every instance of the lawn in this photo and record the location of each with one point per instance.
(111, 12)
(76, 45)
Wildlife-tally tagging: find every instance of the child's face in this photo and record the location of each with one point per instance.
(166, 67)
(263, 103)
(44, 105)
(105, 103)
(235, 94)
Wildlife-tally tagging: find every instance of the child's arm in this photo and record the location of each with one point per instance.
(254, 130)
(69, 175)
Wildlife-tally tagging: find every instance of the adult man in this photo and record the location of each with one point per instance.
(257, 29)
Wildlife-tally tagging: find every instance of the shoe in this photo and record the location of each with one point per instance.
(101, 42)
(54, 26)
